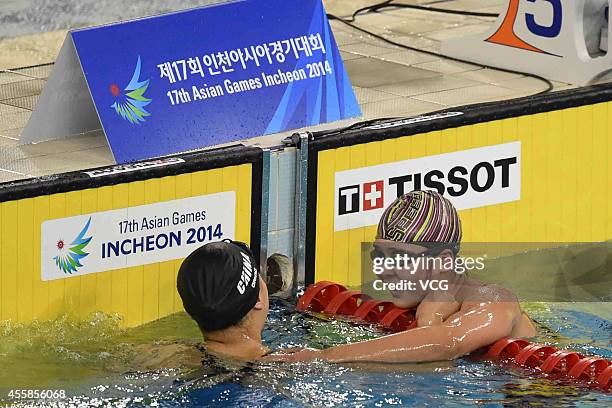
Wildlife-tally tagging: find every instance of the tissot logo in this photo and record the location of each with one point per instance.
(351, 200)
(470, 179)
(459, 181)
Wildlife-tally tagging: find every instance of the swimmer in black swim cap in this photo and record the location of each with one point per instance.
(222, 291)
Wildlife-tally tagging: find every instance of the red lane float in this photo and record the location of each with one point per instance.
(334, 299)
(560, 361)
(318, 296)
(372, 311)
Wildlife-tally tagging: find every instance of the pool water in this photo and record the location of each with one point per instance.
(93, 361)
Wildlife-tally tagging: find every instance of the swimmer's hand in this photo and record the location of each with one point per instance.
(293, 355)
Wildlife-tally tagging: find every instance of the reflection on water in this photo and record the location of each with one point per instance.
(100, 364)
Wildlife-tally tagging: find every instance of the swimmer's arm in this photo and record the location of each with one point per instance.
(432, 313)
(475, 329)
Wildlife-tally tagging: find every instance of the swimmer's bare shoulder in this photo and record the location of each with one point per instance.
(479, 296)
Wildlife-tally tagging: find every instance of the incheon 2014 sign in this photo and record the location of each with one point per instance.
(196, 78)
(134, 236)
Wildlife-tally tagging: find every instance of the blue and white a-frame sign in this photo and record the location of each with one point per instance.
(196, 78)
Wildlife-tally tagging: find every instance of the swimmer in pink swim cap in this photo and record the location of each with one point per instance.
(421, 230)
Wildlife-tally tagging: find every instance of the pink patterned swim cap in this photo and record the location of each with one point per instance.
(421, 217)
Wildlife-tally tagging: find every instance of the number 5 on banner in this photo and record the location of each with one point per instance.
(564, 40)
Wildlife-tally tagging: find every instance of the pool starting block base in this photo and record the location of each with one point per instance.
(563, 40)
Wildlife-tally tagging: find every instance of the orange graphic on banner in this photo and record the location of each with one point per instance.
(506, 36)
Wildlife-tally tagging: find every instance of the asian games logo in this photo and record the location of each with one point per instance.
(69, 257)
(131, 104)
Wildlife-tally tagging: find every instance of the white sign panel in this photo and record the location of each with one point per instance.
(134, 236)
(131, 167)
(468, 178)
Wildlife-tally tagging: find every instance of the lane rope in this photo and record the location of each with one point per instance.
(336, 300)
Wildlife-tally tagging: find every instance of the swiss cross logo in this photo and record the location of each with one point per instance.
(373, 195)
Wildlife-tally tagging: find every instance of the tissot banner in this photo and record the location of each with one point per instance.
(469, 179)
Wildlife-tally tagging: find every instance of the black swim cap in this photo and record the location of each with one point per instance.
(219, 284)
